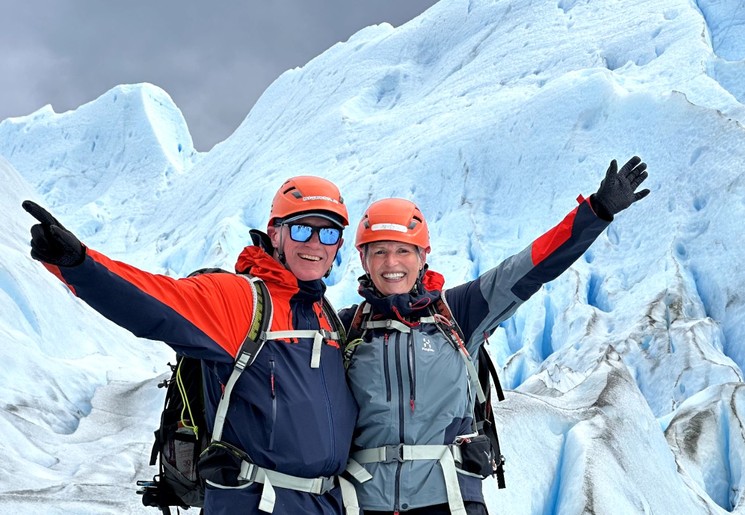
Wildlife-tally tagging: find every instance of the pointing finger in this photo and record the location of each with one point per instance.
(38, 212)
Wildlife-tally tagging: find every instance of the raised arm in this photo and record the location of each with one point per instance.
(481, 305)
(205, 316)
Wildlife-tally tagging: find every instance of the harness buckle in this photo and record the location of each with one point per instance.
(394, 453)
(328, 484)
(248, 472)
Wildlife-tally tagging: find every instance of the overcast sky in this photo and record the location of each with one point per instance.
(213, 58)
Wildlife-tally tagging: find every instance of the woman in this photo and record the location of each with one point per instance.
(409, 377)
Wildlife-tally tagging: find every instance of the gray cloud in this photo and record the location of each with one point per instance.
(214, 59)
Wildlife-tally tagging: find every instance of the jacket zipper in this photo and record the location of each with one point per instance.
(313, 322)
(399, 377)
(272, 386)
(329, 410)
(412, 372)
(385, 368)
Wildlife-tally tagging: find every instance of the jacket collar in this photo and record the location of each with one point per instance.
(258, 260)
(426, 291)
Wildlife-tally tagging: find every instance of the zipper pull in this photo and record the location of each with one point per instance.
(271, 379)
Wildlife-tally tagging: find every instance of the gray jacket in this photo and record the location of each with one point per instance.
(412, 386)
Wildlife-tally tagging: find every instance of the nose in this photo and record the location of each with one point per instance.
(315, 238)
(391, 258)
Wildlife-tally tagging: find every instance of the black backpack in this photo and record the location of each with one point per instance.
(180, 439)
(183, 433)
(487, 372)
(484, 412)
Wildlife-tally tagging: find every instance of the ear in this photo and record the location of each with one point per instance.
(273, 233)
(363, 260)
(423, 257)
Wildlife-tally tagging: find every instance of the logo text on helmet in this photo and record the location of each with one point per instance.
(388, 227)
(320, 197)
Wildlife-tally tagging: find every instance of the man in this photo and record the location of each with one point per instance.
(291, 414)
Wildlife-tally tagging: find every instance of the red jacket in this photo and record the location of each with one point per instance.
(286, 415)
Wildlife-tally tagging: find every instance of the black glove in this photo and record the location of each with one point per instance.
(616, 191)
(50, 241)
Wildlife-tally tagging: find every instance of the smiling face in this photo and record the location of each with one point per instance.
(308, 260)
(393, 267)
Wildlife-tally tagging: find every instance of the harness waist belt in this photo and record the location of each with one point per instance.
(315, 485)
(403, 452)
(444, 454)
(251, 473)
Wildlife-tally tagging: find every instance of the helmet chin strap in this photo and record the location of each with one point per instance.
(328, 272)
(281, 248)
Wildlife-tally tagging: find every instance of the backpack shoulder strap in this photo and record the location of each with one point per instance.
(357, 326)
(443, 309)
(443, 319)
(487, 368)
(255, 338)
(356, 330)
(336, 324)
(483, 413)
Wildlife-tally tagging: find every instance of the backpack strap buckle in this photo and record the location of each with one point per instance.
(248, 472)
(384, 454)
(394, 453)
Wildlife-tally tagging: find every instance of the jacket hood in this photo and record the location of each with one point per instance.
(257, 261)
(433, 281)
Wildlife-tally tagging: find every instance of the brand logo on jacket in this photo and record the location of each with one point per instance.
(427, 345)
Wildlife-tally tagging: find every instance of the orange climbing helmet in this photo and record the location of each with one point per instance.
(393, 219)
(305, 196)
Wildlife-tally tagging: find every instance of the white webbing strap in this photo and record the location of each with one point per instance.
(318, 337)
(349, 497)
(271, 478)
(357, 471)
(315, 357)
(268, 497)
(387, 324)
(292, 333)
(403, 452)
(238, 367)
(473, 374)
(222, 406)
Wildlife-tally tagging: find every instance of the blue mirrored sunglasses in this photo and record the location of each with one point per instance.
(326, 235)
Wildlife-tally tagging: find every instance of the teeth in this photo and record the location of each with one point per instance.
(393, 275)
(309, 257)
